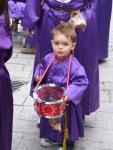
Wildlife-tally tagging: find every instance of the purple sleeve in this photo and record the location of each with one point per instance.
(43, 65)
(79, 83)
(90, 9)
(5, 39)
(32, 14)
(39, 70)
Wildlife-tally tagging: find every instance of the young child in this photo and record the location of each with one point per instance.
(6, 99)
(63, 42)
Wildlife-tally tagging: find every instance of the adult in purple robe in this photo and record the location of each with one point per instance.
(57, 74)
(44, 17)
(6, 99)
(16, 12)
(104, 8)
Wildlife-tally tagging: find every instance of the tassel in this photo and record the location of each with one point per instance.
(64, 145)
(74, 12)
(66, 133)
(65, 139)
(73, 50)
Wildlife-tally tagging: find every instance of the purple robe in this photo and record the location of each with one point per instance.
(16, 11)
(57, 74)
(6, 100)
(104, 8)
(30, 41)
(46, 17)
(16, 8)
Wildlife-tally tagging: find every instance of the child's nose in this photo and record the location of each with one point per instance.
(60, 45)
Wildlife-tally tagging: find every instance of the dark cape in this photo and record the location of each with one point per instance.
(6, 99)
(104, 8)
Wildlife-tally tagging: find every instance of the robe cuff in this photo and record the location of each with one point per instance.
(72, 97)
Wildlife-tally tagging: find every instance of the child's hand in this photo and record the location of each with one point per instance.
(66, 98)
(78, 21)
(36, 108)
(30, 32)
(65, 101)
(37, 78)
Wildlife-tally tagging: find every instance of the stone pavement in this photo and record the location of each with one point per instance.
(98, 126)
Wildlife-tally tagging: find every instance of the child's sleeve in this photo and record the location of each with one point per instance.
(5, 39)
(79, 83)
(38, 73)
(39, 70)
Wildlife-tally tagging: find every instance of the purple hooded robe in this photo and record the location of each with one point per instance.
(104, 8)
(16, 11)
(46, 16)
(6, 99)
(57, 74)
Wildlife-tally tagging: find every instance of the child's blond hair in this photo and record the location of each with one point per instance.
(67, 29)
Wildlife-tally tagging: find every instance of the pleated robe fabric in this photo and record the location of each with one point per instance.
(45, 17)
(16, 8)
(104, 9)
(6, 99)
(57, 74)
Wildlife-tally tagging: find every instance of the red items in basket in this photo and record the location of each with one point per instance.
(49, 101)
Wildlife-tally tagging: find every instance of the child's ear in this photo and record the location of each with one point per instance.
(74, 45)
(52, 43)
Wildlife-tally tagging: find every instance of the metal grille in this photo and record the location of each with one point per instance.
(17, 84)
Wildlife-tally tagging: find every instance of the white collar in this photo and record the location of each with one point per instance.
(64, 1)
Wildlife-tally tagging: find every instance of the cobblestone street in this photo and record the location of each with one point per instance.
(98, 126)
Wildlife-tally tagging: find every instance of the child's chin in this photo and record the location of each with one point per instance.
(60, 57)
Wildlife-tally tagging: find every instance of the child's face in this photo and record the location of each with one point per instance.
(62, 45)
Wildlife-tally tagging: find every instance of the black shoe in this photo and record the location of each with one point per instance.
(102, 61)
(38, 125)
(70, 145)
(83, 117)
(38, 122)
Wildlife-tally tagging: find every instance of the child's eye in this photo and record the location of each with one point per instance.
(65, 44)
(60, 43)
(56, 43)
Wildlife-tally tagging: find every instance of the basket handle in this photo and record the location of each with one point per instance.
(69, 67)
